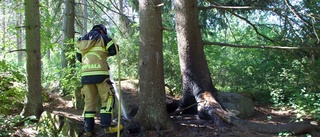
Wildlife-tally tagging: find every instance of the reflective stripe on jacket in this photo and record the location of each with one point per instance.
(94, 57)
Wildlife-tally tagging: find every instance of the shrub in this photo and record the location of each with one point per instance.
(12, 88)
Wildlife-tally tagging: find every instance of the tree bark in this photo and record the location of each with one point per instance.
(68, 33)
(68, 61)
(79, 101)
(194, 68)
(4, 27)
(33, 103)
(123, 20)
(85, 16)
(152, 114)
(19, 35)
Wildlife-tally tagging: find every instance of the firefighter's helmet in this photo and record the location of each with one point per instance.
(102, 27)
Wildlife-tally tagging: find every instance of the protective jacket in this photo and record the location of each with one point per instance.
(94, 49)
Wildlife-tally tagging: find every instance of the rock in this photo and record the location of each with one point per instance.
(58, 125)
(78, 100)
(129, 98)
(237, 104)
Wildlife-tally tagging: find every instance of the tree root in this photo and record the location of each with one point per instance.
(212, 108)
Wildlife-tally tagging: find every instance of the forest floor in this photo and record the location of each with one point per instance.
(185, 125)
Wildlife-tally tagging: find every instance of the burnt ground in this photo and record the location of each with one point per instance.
(185, 125)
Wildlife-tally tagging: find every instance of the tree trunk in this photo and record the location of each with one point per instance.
(68, 61)
(123, 20)
(197, 84)
(85, 17)
(19, 36)
(152, 112)
(3, 26)
(79, 101)
(68, 33)
(194, 68)
(33, 103)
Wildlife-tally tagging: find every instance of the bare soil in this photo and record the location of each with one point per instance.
(185, 125)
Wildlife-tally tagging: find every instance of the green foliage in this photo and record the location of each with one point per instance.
(306, 103)
(12, 88)
(277, 77)
(171, 64)
(47, 128)
(9, 124)
(70, 80)
(128, 54)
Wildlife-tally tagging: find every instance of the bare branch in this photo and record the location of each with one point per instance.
(17, 50)
(233, 7)
(167, 28)
(260, 47)
(296, 13)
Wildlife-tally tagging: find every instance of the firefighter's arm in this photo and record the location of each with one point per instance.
(111, 47)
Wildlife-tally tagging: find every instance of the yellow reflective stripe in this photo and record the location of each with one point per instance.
(109, 44)
(104, 111)
(101, 72)
(89, 115)
(109, 103)
(97, 49)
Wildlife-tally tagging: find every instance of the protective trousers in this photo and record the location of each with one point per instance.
(91, 93)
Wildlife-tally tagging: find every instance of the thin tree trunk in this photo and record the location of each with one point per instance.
(19, 36)
(68, 33)
(124, 21)
(33, 103)
(85, 17)
(3, 26)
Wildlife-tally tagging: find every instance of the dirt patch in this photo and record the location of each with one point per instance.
(186, 125)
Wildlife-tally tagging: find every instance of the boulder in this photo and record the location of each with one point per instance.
(237, 104)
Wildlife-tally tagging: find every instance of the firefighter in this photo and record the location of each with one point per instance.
(95, 47)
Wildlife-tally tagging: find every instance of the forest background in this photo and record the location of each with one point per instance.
(268, 49)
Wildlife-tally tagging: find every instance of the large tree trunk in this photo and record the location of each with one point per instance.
(33, 104)
(152, 112)
(194, 68)
(198, 90)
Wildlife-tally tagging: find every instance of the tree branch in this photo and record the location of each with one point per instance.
(246, 20)
(294, 11)
(17, 50)
(233, 7)
(260, 47)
